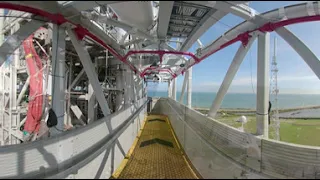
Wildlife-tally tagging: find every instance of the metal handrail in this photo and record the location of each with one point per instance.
(72, 161)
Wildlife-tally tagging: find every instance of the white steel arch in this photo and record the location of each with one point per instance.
(291, 12)
(73, 154)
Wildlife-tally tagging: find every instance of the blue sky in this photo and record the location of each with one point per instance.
(294, 76)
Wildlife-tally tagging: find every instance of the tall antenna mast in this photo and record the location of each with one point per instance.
(275, 92)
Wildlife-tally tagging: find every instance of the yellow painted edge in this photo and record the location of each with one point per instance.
(124, 162)
(117, 173)
(175, 138)
(181, 150)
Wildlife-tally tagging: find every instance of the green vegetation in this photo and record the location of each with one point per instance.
(304, 132)
(243, 110)
(297, 131)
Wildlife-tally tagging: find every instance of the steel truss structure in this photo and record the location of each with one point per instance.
(94, 59)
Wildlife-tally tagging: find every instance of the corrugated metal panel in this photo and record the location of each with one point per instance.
(184, 17)
(184, 22)
(218, 166)
(235, 144)
(272, 158)
(286, 160)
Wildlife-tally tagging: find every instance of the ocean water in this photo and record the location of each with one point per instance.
(248, 101)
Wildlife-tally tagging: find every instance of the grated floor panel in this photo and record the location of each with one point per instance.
(156, 154)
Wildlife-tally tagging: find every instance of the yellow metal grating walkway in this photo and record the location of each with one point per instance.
(156, 154)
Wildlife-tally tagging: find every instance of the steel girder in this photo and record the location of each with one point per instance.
(233, 35)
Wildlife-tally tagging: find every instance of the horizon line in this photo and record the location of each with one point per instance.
(241, 92)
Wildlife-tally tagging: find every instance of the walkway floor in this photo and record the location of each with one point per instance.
(156, 154)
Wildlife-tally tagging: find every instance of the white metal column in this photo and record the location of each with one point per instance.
(13, 94)
(233, 68)
(91, 100)
(2, 89)
(68, 120)
(119, 86)
(91, 104)
(58, 70)
(2, 97)
(189, 100)
(66, 75)
(174, 91)
(1, 25)
(185, 83)
(263, 85)
(169, 89)
(128, 86)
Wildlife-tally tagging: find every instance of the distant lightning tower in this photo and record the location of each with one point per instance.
(275, 91)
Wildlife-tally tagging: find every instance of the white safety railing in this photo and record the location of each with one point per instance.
(217, 150)
(87, 152)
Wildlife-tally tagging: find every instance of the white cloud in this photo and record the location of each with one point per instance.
(243, 81)
(299, 78)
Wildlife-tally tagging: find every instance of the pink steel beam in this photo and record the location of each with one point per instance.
(81, 31)
(268, 27)
(244, 38)
(144, 72)
(162, 70)
(59, 19)
(160, 53)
